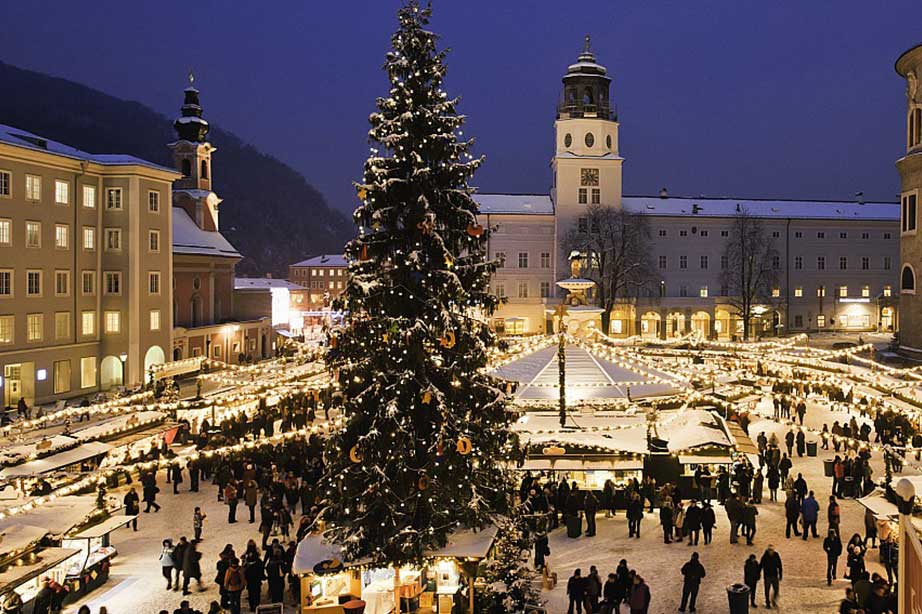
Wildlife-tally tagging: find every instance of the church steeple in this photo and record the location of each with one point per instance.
(586, 88)
(189, 125)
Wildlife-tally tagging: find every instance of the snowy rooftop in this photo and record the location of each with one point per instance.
(194, 193)
(188, 238)
(263, 283)
(27, 140)
(536, 204)
(333, 260)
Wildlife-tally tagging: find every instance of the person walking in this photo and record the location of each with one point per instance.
(751, 573)
(230, 498)
(634, 515)
(150, 494)
(708, 520)
(749, 513)
(198, 523)
(639, 600)
(734, 512)
(191, 567)
(870, 528)
(810, 510)
(833, 514)
(593, 590)
(832, 546)
(590, 507)
(179, 551)
(692, 526)
(772, 572)
(167, 563)
(692, 574)
(576, 592)
(254, 573)
(176, 476)
(234, 582)
(132, 506)
(791, 514)
(665, 519)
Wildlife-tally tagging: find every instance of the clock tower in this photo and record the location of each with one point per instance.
(586, 164)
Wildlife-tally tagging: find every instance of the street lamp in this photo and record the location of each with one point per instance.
(906, 494)
(124, 358)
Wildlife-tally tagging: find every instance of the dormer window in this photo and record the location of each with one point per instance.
(186, 167)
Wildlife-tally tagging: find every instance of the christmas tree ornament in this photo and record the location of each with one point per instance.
(474, 230)
(364, 253)
(427, 397)
(354, 455)
(447, 340)
(362, 193)
(423, 482)
(464, 446)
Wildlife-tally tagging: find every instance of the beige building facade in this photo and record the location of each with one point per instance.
(85, 264)
(838, 263)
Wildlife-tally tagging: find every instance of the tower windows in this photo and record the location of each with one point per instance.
(204, 173)
(186, 167)
(590, 139)
(567, 140)
(596, 196)
(915, 127)
(908, 280)
(909, 212)
(608, 142)
(583, 196)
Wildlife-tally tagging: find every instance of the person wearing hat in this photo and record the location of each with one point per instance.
(692, 574)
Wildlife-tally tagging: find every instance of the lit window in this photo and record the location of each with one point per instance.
(88, 372)
(89, 238)
(703, 292)
(888, 291)
(820, 321)
(113, 322)
(61, 283)
(62, 325)
(33, 234)
(61, 192)
(61, 376)
(33, 283)
(6, 329)
(843, 291)
(821, 291)
(865, 291)
(88, 323)
(155, 319)
(61, 236)
(6, 231)
(35, 323)
(798, 292)
(33, 187)
(776, 292)
(89, 196)
(114, 199)
(153, 202)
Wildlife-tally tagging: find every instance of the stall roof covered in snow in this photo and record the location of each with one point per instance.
(46, 559)
(188, 238)
(59, 516)
(611, 432)
(525, 204)
(27, 140)
(688, 429)
(18, 537)
(56, 461)
(331, 260)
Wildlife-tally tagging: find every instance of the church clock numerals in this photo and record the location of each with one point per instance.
(589, 176)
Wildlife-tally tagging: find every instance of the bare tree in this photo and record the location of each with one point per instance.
(616, 244)
(750, 273)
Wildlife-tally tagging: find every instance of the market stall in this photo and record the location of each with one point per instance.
(24, 573)
(83, 457)
(327, 584)
(90, 569)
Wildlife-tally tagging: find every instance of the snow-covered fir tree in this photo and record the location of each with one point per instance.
(425, 428)
(511, 581)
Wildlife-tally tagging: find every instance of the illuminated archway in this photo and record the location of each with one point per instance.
(649, 325)
(110, 373)
(701, 322)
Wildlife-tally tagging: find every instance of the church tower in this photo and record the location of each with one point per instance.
(909, 66)
(192, 157)
(586, 164)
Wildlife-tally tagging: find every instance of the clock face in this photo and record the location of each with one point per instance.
(589, 176)
(567, 140)
(590, 140)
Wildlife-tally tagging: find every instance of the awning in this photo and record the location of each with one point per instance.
(285, 333)
(56, 461)
(34, 565)
(103, 528)
(575, 464)
(694, 459)
(18, 537)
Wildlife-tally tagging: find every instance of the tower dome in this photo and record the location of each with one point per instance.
(189, 125)
(586, 89)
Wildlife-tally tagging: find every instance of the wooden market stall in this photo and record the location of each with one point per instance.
(82, 457)
(328, 584)
(90, 569)
(23, 573)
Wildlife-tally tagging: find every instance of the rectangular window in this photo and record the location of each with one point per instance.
(724, 262)
(865, 235)
(683, 262)
(683, 290)
(113, 281)
(500, 258)
(887, 263)
(61, 236)
(113, 322)
(820, 321)
(61, 283)
(865, 291)
(88, 283)
(61, 192)
(843, 235)
(155, 319)
(545, 260)
(153, 282)
(88, 323)
(821, 263)
(89, 238)
(776, 292)
(33, 234)
(798, 321)
(6, 283)
(798, 292)
(662, 233)
(35, 324)
(62, 325)
(703, 292)
(704, 233)
(153, 202)
(843, 263)
(776, 262)
(89, 196)
(583, 196)
(113, 239)
(888, 291)
(821, 235)
(821, 291)
(843, 291)
(6, 184)
(582, 224)
(798, 262)
(545, 289)
(6, 330)
(662, 262)
(501, 290)
(798, 235)
(33, 283)
(61, 370)
(153, 241)
(909, 212)
(704, 262)
(6, 231)
(887, 235)
(88, 372)
(775, 234)
(596, 196)
(33, 187)
(523, 260)
(683, 233)
(523, 289)
(725, 233)
(114, 199)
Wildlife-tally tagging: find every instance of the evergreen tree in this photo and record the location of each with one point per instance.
(424, 427)
(511, 582)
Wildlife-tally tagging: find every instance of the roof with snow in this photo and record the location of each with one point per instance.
(331, 260)
(27, 140)
(797, 209)
(195, 193)
(263, 283)
(533, 204)
(188, 238)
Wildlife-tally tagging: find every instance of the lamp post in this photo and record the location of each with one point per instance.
(124, 358)
(906, 494)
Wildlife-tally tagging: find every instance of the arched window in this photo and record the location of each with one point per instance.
(186, 168)
(587, 96)
(908, 279)
(918, 127)
(204, 173)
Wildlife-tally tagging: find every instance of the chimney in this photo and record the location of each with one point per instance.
(859, 198)
(664, 193)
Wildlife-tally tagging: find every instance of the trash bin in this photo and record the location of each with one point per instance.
(811, 448)
(356, 606)
(738, 596)
(574, 526)
(829, 467)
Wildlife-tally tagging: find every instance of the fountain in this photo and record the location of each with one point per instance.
(579, 317)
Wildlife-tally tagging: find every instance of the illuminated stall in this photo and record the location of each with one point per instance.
(90, 569)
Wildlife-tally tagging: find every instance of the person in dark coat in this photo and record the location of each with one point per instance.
(789, 442)
(800, 487)
(611, 595)
(801, 443)
(639, 599)
(576, 592)
(708, 520)
(792, 515)
(751, 573)
(132, 506)
(590, 507)
(41, 604)
(832, 546)
(191, 567)
(774, 480)
(608, 498)
(176, 476)
(150, 494)
(275, 574)
(665, 519)
(634, 515)
(810, 510)
(624, 581)
(255, 573)
(772, 572)
(692, 526)
(734, 510)
(692, 574)
(593, 590)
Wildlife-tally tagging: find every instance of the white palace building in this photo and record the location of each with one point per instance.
(838, 264)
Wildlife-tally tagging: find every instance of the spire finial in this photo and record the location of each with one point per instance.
(588, 45)
(191, 77)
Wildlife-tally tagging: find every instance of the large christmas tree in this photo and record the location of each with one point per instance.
(419, 454)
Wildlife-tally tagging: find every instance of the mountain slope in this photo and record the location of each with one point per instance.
(270, 213)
